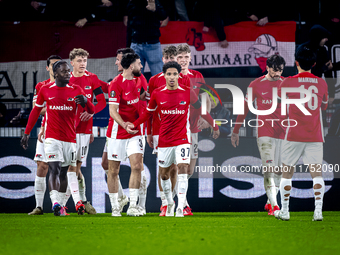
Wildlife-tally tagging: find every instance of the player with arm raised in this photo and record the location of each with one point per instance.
(306, 137)
(40, 158)
(124, 102)
(62, 100)
(271, 133)
(173, 102)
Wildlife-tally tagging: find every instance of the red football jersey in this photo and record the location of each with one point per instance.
(309, 128)
(196, 78)
(60, 111)
(124, 93)
(158, 81)
(173, 108)
(262, 97)
(88, 82)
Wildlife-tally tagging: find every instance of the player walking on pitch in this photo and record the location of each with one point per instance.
(270, 134)
(124, 102)
(62, 100)
(173, 102)
(40, 158)
(91, 85)
(156, 81)
(306, 138)
(196, 80)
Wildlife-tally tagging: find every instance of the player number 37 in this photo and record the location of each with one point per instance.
(183, 152)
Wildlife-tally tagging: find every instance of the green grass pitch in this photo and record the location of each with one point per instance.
(203, 233)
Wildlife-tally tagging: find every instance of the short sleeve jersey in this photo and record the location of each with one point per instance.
(88, 82)
(262, 96)
(158, 81)
(124, 93)
(308, 128)
(173, 107)
(61, 111)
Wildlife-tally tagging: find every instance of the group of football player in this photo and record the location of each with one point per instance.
(170, 107)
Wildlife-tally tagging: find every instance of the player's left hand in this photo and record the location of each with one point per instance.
(81, 99)
(85, 116)
(235, 139)
(129, 129)
(91, 138)
(24, 141)
(202, 124)
(142, 97)
(41, 134)
(216, 134)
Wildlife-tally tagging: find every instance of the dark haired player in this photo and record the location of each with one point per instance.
(173, 102)
(124, 103)
(306, 138)
(271, 133)
(141, 83)
(156, 81)
(62, 100)
(42, 166)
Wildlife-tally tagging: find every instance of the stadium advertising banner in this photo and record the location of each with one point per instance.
(23, 65)
(225, 178)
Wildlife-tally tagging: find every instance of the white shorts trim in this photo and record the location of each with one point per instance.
(311, 152)
(194, 146)
(83, 145)
(40, 152)
(270, 150)
(174, 155)
(121, 149)
(64, 152)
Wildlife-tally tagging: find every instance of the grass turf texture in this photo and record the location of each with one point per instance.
(203, 233)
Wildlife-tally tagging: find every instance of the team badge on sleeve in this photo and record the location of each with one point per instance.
(112, 93)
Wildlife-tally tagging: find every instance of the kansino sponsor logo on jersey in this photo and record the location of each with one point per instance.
(176, 111)
(61, 107)
(134, 101)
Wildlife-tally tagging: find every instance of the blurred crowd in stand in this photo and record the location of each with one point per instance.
(318, 23)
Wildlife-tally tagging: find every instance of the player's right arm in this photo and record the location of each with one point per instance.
(150, 109)
(32, 119)
(150, 89)
(115, 93)
(36, 91)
